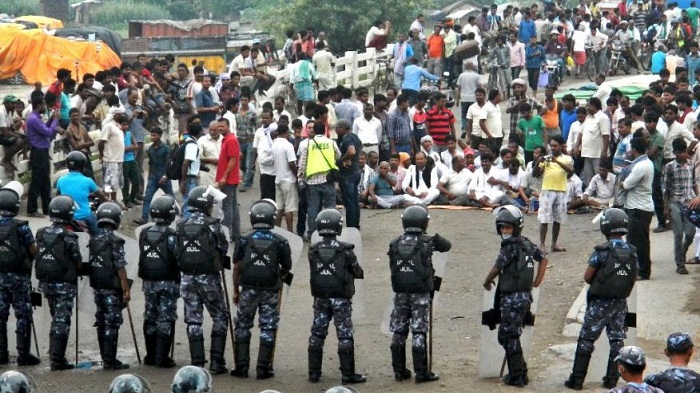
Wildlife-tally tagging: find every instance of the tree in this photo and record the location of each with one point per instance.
(55, 8)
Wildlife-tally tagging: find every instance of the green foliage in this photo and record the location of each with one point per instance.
(20, 7)
(116, 13)
(182, 10)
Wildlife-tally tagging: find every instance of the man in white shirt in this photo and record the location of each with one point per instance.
(480, 190)
(209, 150)
(467, 83)
(601, 189)
(324, 61)
(239, 64)
(474, 113)
(369, 129)
(675, 130)
(418, 25)
(592, 144)
(420, 184)
(599, 42)
(190, 166)
(454, 186)
(262, 143)
(285, 167)
(580, 39)
(490, 121)
(604, 89)
(379, 28)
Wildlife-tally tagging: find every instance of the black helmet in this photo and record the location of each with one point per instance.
(509, 215)
(61, 209)
(200, 200)
(613, 220)
(262, 214)
(415, 219)
(76, 161)
(17, 382)
(109, 213)
(129, 383)
(329, 222)
(9, 202)
(164, 209)
(191, 379)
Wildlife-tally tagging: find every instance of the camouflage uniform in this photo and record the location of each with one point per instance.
(160, 311)
(110, 302)
(341, 312)
(637, 388)
(410, 311)
(675, 380)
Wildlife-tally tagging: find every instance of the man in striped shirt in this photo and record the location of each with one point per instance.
(440, 122)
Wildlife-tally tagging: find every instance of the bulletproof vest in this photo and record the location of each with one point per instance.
(156, 262)
(103, 272)
(14, 257)
(260, 268)
(616, 276)
(410, 260)
(197, 252)
(331, 276)
(518, 275)
(52, 264)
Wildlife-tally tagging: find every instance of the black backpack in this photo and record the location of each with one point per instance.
(173, 165)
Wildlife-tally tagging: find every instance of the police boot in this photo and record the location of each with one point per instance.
(315, 364)
(162, 351)
(24, 346)
(197, 351)
(4, 355)
(151, 339)
(347, 367)
(420, 366)
(398, 362)
(242, 359)
(579, 371)
(611, 376)
(264, 368)
(218, 346)
(516, 370)
(57, 352)
(109, 358)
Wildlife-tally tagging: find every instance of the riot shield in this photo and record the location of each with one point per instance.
(352, 236)
(296, 244)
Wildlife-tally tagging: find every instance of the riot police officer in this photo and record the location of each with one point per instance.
(611, 272)
(17, 250)
(516, 271)
(334, 268)
(191, 379)
(201, 251)
(58, 262)
(17, 381)
(161, 282)
(412, 280)
(261, 261)
(129, 383)
(109, 282)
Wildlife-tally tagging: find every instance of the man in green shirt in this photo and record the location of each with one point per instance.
(656, 155)
(693, 13)
(532, 128)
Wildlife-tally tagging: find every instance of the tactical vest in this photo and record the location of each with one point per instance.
(103, 272)
(156, 262)
(331, 276)
(616, 276)
(197, 252)
(14, 257)
(52, 264)
(260, 268)
(410, 261)
(518, 275)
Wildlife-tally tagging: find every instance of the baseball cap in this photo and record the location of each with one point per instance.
(518, 81)
(469, 151)
(10, 98)
(679, 342)
(632, 355)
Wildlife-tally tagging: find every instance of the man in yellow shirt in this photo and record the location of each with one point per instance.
(556, 167)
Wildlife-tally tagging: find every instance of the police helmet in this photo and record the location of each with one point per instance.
(262, 214)
(109, 213)
(129, 383)
(613, 220)
(76, 161)
(164, 209)
(199, 200)
(329, 222)
(191, 379)
(16, 382)
(415, 219)
(61, 209)
(509, 215)
(341, 389)
(9, 202)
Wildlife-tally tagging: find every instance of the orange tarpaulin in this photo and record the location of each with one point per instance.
(42, 21)
(38, 56)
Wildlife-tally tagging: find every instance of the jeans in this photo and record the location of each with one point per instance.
(349, 183)
(302, 210)
(191, 182)
(465, 108)
(638, 236)
(683, 233)
(248, 169)
(151, 188)
(91, 223)
(412, 96)
(319, 196)
(515, 72)
(40, 185)
(403, 147)
(131, 182)
(533, 76)
(232, 217)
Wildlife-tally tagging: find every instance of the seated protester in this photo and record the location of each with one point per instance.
(574, 192)
(427, 147)
(601, 189)
(366, 175)
(482, 148)
(405, 160)
(480, 189)
(397, 170)
(511, 179)
(469, 159)
(503, 160)
(454, 186)
(420, 183)
(516, 151)
(373, 160)
(678, 377)
(381, 192)
(448, 155)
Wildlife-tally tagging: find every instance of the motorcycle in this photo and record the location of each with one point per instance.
(555, 74)
(619, 60)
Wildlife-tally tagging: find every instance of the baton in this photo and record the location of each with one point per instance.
(274, 347)
(430, 338)
(133, 332)
(77, 328)
(36, 344)
(228, 305)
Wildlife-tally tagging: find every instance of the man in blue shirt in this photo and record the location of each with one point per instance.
(567, 114)
(692, 61)
(658, 60)
(79, 187)
(412, 75)
(204, 102)
(527, 29)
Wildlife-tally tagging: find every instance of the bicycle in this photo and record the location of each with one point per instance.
(589, 67)
(384, 76)
(286, 91)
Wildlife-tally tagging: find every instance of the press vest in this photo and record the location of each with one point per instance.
(321, 154)
(260, 267)
(156, 261)
(616, 276)
(517, 276)
(103, 272)
(14, 257)
(52, 264)
(410, 260)
(197, 250)
(331, 277)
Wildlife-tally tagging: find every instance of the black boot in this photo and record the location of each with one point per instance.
(611, 376)
(315, 364)
(57, 352)
(218, 346)
(420, 366)
(398, 362)
(516, 370)
(347, 367)
(4, 354)
(242, 359)
(109, 358)
(578, 372)
(162, 357)
(151, 339)
(197, 351)
(265, 369)
(24, 346)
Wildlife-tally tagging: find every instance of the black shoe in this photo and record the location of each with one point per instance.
(197, 357)
(109, 357)
(355, 378)
(163, 345)
(239, 372)
(427, 376)
(264, 368)
(242, 359)
(660, 228)
(347, 367)
(578, 371)
(218, 346)
(28, 360)
(681, 270)
(516, 370)
(315, 364)
(151, 340)
(420, 366)
(24, 345)
(115, 365)
(398, 363)
(57, 352)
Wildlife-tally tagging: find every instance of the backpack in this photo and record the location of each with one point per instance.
(616, 277)
(411, 266)
(173, 165)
